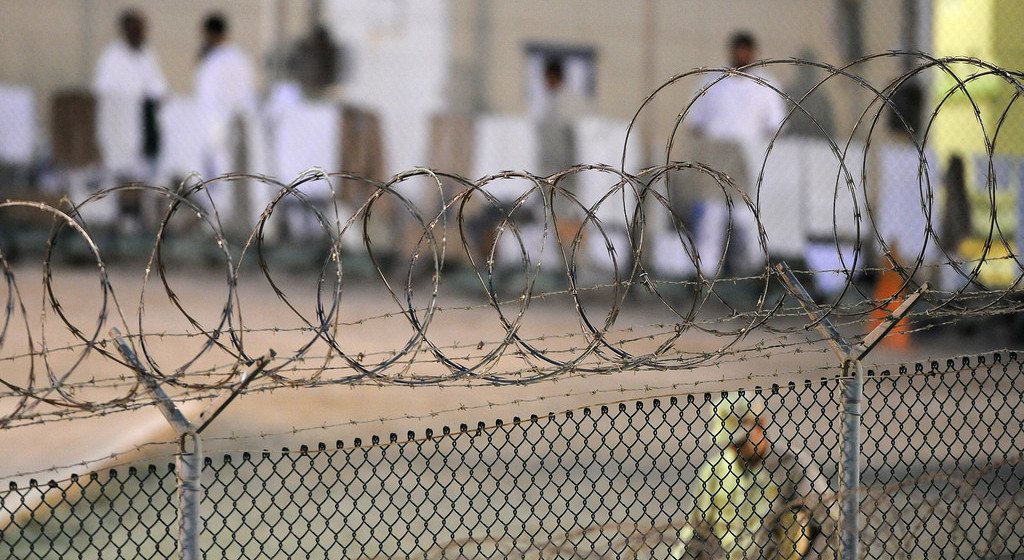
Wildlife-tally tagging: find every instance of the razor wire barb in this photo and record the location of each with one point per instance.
(520, 239)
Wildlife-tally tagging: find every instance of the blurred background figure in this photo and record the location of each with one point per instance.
(956, 225)
(732, 124)
(316, 61)
(225, 87)
(129, 86)
(753, 499)
(226, 93)
(557, 119)
(561, 109)
(309, 70)
(815, 118)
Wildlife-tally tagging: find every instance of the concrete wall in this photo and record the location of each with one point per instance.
(639, 45)
(50, 44)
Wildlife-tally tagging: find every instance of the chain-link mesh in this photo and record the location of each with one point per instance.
(942, 474)
(129, 513)
(942, 456)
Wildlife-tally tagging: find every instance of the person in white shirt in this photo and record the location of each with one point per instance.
(128, 85)
(556, 124)
(226, 95)
(561, 109)
(735, 119)
(225, 89)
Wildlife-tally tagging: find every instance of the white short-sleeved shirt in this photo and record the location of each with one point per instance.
(225, 87)
(124, 78)
(740, 110)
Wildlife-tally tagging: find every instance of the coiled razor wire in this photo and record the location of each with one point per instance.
(514, 231)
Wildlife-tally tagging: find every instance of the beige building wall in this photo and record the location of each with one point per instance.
(48, 45)
(672, 36)
(52, 44)
(639, 45)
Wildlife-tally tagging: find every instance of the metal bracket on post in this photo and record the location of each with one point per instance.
(224, 399)
(850, 357)
(190, 458)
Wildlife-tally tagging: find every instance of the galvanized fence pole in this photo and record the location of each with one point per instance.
(851, 357)
(190, 495)
(190, 447)
(849, 465)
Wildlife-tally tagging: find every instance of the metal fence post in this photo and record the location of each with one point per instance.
(190, 471)
(849, 466)
(853, 393)
(190, 458)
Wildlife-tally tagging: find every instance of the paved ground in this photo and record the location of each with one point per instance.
(290, 416)
(374, 325)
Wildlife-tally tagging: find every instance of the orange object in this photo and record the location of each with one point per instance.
(889, 284)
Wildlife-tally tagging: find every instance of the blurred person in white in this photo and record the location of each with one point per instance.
(732, 125)
(753, 499)
(556, 134)
(129, 85)
(561, 109)
(226, 93)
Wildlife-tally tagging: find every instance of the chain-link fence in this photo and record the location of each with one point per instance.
(942, 478)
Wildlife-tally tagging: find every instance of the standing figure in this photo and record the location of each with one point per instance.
(128, 85)
(732, 124)
(226, 93)
(557, 143)
(225, 88)
(555, 121)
